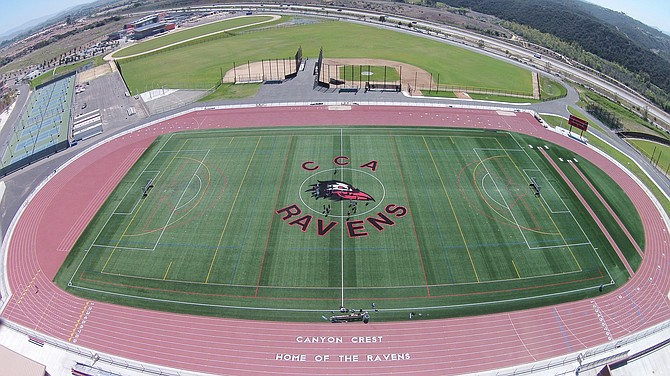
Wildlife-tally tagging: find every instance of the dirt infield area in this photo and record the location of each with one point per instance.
(411, 76)
(259, 71)
(92, 74)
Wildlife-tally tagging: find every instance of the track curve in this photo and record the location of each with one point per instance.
(61, 209)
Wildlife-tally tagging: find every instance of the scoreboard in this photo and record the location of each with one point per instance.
(578, 123)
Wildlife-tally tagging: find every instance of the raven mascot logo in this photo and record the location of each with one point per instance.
(337, 191)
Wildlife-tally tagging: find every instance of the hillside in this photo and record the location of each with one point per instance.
(645, 36)
(619, 39)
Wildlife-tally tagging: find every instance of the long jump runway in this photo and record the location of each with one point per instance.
(50, 224)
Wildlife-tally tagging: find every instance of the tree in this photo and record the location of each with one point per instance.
(463, 11)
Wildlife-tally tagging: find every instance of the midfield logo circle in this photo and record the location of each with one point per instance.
(318, 194)
(353, 195)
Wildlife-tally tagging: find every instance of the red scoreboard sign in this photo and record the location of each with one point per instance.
(578, 123)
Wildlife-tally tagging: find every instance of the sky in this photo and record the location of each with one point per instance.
(655, 13)
(15, 13)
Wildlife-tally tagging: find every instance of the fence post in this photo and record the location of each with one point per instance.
(416, 74)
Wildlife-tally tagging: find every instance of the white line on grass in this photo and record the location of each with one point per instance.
(232, 206)
(195, 195)
(138, 200)
(69, 283)
(349, 288)
(320, 288)
(567, 245)
(483, 183)
(123, 248)
(595, 249)
(167, 223)
(543, 196)
(478, 304)
(342, 227)
(481, 161)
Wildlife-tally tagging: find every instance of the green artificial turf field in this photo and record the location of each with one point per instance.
(287, 223)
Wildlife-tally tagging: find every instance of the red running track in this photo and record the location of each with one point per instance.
(58, 213)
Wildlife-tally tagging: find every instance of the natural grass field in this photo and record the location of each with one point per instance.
(659, 152)
(551, 89)
(478, 96)
(231, 226)
(62, 70)
(500, 98)
(631, 121)
(182, 35)
(201, 65)
(582, 115)
(557, 121)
